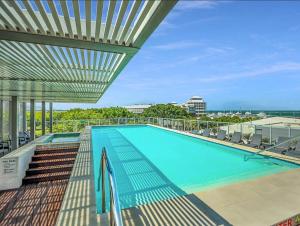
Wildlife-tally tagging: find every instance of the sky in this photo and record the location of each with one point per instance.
(234, 54)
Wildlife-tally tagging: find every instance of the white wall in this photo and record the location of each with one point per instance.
(13, 166)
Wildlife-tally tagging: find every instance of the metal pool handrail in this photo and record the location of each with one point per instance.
(115, 213)
(247, 157)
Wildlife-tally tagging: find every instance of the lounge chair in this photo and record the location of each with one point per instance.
(27, 136)
(281, 146)
(236, 137)
(197, 132)
(256, 141)
(22, 138)
(206, 133)
(221, 135)
(4, 146)
(294, 152)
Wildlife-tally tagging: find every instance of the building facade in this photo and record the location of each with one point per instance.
(137, 108)
(196, 105)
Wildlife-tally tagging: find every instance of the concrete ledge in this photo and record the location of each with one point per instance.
(14, 165)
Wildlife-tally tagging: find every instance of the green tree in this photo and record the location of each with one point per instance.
(166, 111)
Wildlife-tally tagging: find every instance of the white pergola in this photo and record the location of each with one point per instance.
(69, 51)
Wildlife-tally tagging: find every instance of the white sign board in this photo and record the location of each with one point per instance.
(9, 165)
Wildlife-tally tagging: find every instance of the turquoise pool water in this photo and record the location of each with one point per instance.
(63, 138)
(152, 164)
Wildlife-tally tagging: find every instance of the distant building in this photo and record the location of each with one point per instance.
(196, 105)
(137, 108)
(174, 103)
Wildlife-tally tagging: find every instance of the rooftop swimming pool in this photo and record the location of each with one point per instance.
(63, 138)
(152, 164)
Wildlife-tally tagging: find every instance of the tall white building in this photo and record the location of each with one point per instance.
(196, 105)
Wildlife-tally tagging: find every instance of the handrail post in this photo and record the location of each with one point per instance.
(112, 220)
(270, 141)
(103, 182)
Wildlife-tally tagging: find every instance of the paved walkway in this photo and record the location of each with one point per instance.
(79, 204)
(264, 201)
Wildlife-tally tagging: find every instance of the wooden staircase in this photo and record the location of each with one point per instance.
(50, 164)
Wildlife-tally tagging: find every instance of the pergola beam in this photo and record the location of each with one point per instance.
(86, 82)
(65, 42)
(61, 52)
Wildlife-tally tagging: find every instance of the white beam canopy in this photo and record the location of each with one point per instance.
(71, 51)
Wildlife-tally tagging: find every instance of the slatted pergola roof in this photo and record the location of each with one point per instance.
(71, 51)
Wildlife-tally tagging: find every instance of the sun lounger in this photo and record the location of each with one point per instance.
(197, 132)
(4, 146)
(22, 138)
(221, 135)
(282, 145)
(256, 141)
(236, 137)
(294, 152)
(206, 133)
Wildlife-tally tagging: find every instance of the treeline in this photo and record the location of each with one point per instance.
(157, 111)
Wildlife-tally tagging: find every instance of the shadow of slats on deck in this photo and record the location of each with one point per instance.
(79, 206)
(36, 204)
(185, 210)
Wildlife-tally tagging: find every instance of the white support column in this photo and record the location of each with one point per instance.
(32, 119)
(14, 122)
(51, 117)
(24, 123)
(43, 117)
(9, 118)
(1, 118)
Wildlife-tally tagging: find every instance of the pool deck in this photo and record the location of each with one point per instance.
(263, 201)
(79, 204)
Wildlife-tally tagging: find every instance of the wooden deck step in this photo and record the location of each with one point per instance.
(46, 177)
(49, 169)
(55, 150)
(51, 162)
(54, 156)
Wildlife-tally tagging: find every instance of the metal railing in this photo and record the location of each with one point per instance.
(269, 132)
(115, 212)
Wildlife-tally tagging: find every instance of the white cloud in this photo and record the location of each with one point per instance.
(178, 45)
(280, 67)
(195, 4)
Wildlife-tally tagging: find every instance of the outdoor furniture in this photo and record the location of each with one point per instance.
(206, 133)
(22, 138)
(27, 135)
(256, 141)
(5, 146)
(282, 145)
(294, 152)
(236, 137)
(221, 135)
(197, 132)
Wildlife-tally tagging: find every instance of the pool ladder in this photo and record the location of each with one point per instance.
(115, 213)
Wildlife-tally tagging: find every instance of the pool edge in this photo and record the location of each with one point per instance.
(237, 146)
